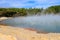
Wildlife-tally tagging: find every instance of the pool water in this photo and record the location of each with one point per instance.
(48, 23)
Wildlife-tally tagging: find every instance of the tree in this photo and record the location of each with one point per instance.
(53, 9)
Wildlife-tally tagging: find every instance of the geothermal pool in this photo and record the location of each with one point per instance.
(48, 23)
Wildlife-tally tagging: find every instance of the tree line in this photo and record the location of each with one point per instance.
(14, 12)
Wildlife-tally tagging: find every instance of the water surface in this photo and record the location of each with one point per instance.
(48, 23)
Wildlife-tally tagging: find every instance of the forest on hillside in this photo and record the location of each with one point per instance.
(15, 12)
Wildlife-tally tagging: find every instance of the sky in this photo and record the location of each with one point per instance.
(28, 3)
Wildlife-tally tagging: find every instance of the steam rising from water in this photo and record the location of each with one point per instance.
(48, 23)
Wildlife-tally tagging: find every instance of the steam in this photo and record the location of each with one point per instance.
(49, 23)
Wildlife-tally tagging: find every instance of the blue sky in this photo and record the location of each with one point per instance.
(28, 3)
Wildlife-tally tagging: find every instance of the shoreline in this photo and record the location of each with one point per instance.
(30, 29)
(26, 34)
(18, 33)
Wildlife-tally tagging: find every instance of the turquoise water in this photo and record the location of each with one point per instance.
(48, 23)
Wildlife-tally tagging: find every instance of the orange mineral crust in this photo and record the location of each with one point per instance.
(15, 33)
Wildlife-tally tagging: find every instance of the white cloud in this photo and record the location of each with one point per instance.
(46, 3)
(49, 1)
(24, 3)
(21, 3)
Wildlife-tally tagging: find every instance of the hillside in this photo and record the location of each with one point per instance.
(15, 12)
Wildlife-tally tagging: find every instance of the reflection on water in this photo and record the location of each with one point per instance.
(48, 23)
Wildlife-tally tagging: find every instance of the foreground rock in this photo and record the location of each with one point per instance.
(3, 18)
(25, 34)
